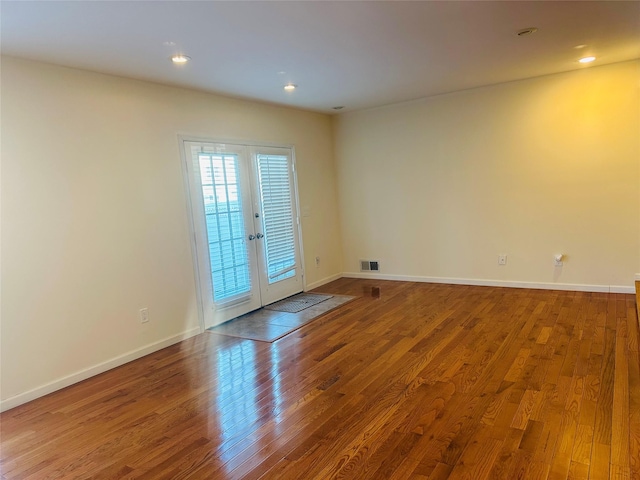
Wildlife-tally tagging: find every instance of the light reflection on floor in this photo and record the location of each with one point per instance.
(237, 385)
(277, 395)
(243, 398)
(247, 391)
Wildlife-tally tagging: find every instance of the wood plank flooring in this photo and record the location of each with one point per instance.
(414, 381)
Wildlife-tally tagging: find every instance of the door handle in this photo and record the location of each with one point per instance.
(259, 236)
(251, 237)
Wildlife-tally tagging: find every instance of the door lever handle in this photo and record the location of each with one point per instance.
(251, 237)
(259, 236)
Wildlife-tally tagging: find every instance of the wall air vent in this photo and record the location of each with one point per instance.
(369, 266)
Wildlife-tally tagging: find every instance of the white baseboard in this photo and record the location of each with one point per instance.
(637, 277)
(63, 382)
(577, 287)
(324, 281)
(621, 289)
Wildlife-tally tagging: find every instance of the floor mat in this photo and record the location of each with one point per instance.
(297, 303)
(270, 325)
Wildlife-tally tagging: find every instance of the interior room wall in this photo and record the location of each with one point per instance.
(94, 215)
(436, 189)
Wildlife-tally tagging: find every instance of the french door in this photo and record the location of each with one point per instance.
(245, 221)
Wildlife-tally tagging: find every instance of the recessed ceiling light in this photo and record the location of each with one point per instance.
(587, 59)
(180, 59)
(290, 87)
(526, 31)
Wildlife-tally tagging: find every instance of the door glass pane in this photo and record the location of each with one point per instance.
(228, 253)
(277, 216)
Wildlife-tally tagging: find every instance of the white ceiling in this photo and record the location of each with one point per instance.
(356, 54)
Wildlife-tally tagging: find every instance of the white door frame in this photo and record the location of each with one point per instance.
(182, 138)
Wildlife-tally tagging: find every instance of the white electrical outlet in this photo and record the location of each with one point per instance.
(558, 260)
(502, 259)
(317, 261)
(144, 315)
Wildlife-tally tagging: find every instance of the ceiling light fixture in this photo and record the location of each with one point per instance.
(587, 59)
(526, 31)
(290, 87)
(180, 59)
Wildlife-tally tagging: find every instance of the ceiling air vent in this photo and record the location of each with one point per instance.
(369, 266)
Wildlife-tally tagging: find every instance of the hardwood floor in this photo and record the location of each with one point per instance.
(416, 381)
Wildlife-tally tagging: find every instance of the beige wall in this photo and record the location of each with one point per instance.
(94, 216)
(438, 188)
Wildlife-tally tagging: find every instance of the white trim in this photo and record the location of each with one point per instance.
(577, 287)
(296, 192)
(63, 382)
(322, 282)
(637, 277)
(621, 289)
(189, 137)
(192, 230)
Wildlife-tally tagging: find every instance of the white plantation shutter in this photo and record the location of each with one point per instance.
(228, 255)
(276, 192)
